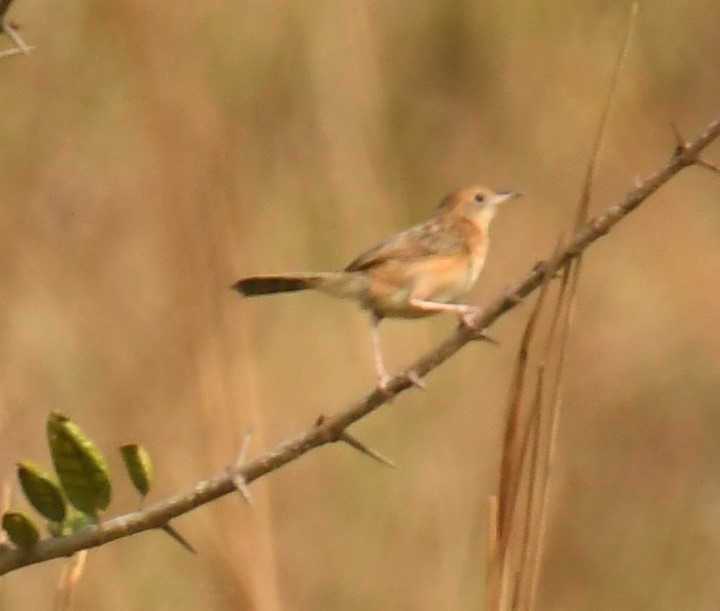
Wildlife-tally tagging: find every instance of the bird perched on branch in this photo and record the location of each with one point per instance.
(424, 270)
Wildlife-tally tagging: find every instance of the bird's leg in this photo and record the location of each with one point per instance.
(382, 375)
(465, 311)
(468, 314)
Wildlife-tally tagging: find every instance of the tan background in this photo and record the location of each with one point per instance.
(152, 152)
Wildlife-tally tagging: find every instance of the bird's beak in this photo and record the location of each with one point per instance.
(504, 196)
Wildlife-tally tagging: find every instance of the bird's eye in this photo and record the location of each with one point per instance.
(479, 198)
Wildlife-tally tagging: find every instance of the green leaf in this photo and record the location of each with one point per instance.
(81, 468)
(42, 491)
(139, 466)
(74, 521)
(21, 529)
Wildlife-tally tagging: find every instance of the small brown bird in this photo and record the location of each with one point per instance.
(424, 270)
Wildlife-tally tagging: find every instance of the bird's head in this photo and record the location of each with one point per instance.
(478, 204)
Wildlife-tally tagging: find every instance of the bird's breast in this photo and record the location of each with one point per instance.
(446, 276)
(478, 252)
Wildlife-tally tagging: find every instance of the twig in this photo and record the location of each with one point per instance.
(15, 37)
(10, 29)
(331, 428)
(15, 51)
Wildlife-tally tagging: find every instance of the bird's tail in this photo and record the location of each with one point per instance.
(287, 283)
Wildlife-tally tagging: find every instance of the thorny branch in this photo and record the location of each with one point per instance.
(332, 428)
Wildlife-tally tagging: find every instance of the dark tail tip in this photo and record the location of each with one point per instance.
(267, 285)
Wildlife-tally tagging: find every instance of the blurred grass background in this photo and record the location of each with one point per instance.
(151, 153)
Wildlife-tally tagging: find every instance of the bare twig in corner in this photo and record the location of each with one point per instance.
(12, 31)
(332, 427)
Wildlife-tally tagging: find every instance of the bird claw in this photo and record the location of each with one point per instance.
(383, 384)
(469, 317)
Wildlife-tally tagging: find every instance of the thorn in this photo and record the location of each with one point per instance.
(680, 144)
(178, 537)
(707, 165)
(234, 471)
(242, 487)
(353, 442)
(415, 379)
(482, 336)
(469, 321)
(15, 37)
(244, 444)
(14, 51)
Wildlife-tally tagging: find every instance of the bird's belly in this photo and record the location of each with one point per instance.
(439, 279)
(444, 280)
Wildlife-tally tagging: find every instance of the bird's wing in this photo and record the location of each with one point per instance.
(424, 240)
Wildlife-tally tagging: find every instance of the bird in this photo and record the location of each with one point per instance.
(424, 270)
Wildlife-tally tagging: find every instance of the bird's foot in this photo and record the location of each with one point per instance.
(469, 319)
(469, 316)
(383, 383)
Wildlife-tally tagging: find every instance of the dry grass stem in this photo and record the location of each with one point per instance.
(519, 553)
